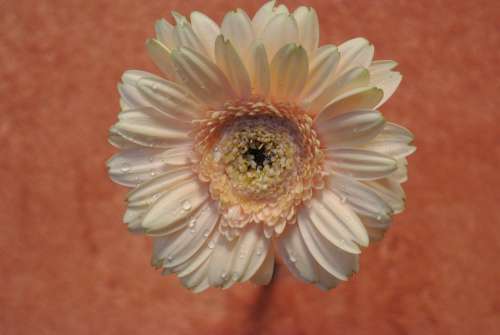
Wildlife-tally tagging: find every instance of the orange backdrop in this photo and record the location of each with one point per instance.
(68, 265)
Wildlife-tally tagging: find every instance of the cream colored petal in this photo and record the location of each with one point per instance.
(363, 200)
(278, 32)
(296, 255)
(185, 36)
(337, 262)
(289, 70)
(359, 164)
(202, 77)
(353, 79)
(118, 141)
(265, 14)
(231, 64)
(390, 191)
(175, 205)
(264, 275)
(363, 98)
(352, 128)
(149, 191)
(308, 25)
(388, 82)
(206, 30)
(150, 128)
(395, 132)
(320, 70)
(131, 167)
(160, 55)
(391, 148)
(220, 262)
(170, 98)
(380, 66)
(165, 33)
(259, 71)
(237, 27)
(353, 53)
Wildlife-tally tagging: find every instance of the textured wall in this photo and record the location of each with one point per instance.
(68, 265)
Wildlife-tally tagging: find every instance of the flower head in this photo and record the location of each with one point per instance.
(258, 144)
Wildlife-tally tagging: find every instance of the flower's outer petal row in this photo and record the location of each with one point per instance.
(131, 167)
(206, 30)
(118, 141)
(307, 22)
(321, 68)
(264, 275)
(359, 164)
(238, 259)
(379, 66)
(278, 32)
(336, 261)
(362, 199)
(258, 69)
(336, 222)
(184, 35)
(265, 14)
(350, 129)
(376, 228)
(363, 98)
(390, 191)
(202, 77)
(165, 33)
(353, 53)
(350, 81)
(289, 70)
(388, 82)
(237, 28)
(160, 55)
(176, 204)
(148, 127)
(300, 262)
(394, 149)
(230, 63)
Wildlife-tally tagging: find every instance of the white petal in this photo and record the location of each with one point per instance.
(202, 77)
(289, 70)
(149, 191)
(278, 32)
(118, 141)
(265, 14)
(353, 53)
(185, 36)
(363, 98)
(353, 79)
(401, 174)
(388, 82)
(379, 66)
(391, 191)
(169, 98)
(148, 127)
(320, 70)
(359, 164)
(264, 275)
(390, 148)
(131, 97)
(258, 68)
(133, 166)
(337, 262)
(160, 55)
(206, 30)
(395, 132)
(307, 22)
(165, 33)
(352, 128)
(184, 244)
(175, 205)
(237, 27)
(363, 200)
(231, 64)
(295, 254)
(220, 262)
(335, 219)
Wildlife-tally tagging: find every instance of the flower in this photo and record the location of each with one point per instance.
(259, 144)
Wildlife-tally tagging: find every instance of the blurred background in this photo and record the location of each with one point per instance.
(69, 266)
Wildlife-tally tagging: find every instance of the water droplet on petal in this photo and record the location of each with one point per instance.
(125, 167)
(223, 275)
(186, 205)
(170, 258)
(379, 217)
(206, 233)
(211, 245)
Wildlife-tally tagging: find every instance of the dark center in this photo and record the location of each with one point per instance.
(257, 153)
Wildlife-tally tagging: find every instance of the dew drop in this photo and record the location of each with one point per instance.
(152, 173)
(154, 87)
(186, 205)
(125, 167)
(242, 255)
(211, 245)
(170, 258)
(292, 259)
(223, 275)
(379, 217)
(206, 234)
(259, 252)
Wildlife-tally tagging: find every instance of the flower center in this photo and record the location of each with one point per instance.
(262, 160)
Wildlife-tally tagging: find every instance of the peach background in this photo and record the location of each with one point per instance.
(69, 266)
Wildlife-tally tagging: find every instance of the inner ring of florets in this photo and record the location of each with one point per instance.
(261, 161)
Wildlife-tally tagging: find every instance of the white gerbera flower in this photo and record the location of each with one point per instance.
(259, 143)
